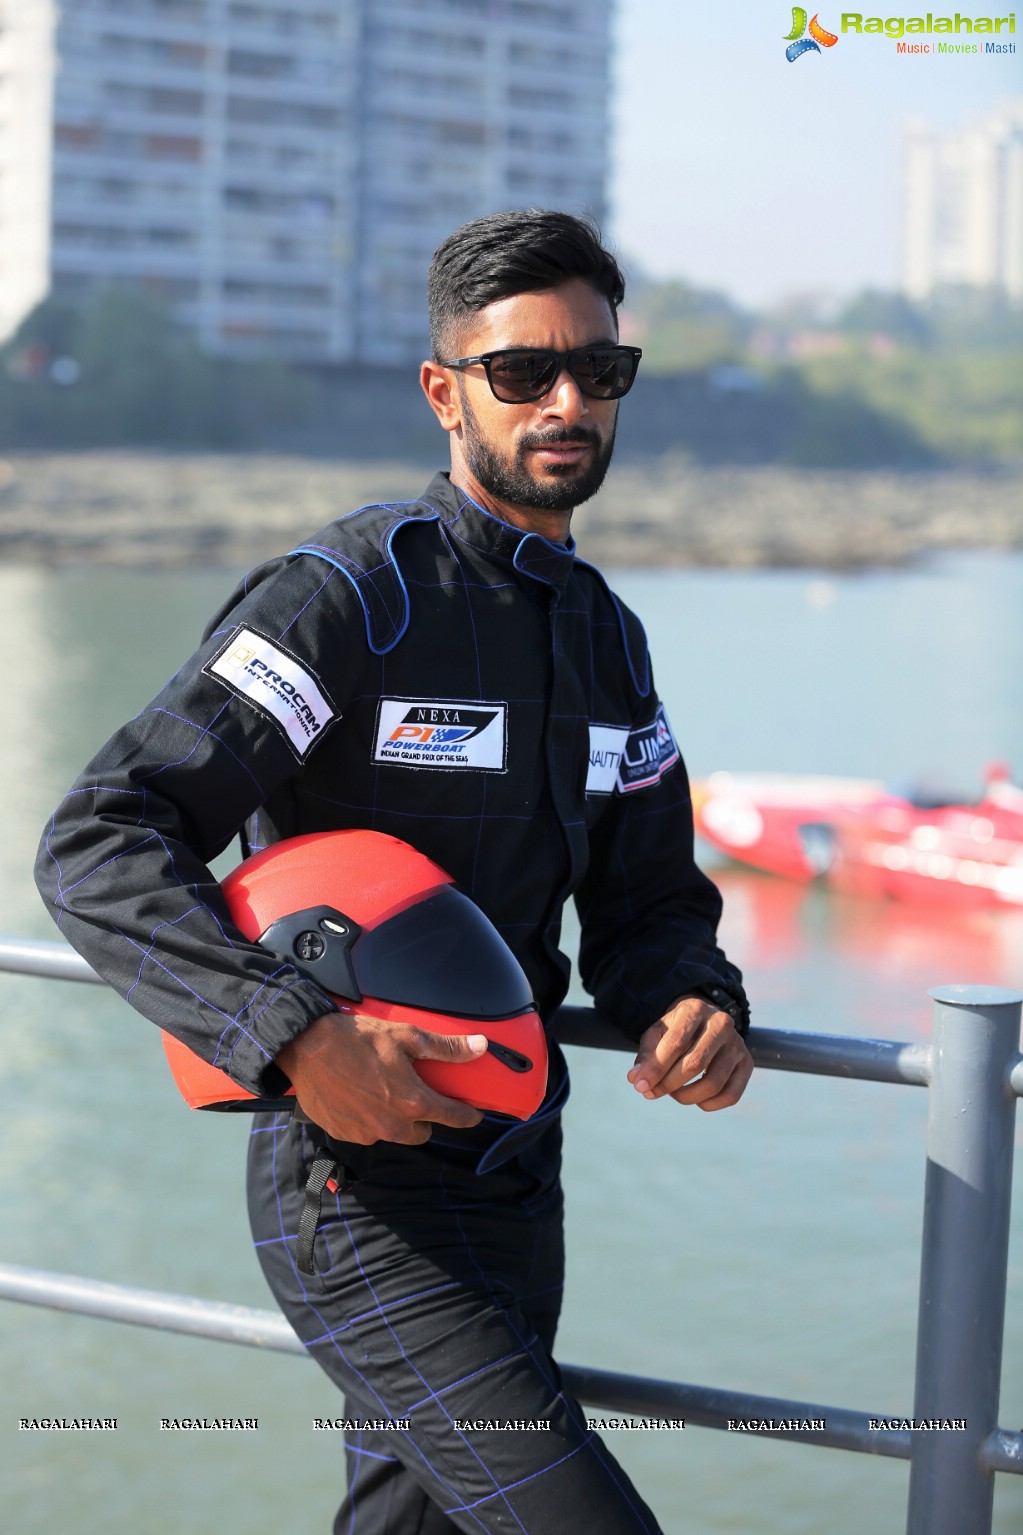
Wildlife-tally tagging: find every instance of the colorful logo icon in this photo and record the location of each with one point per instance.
(798, 44)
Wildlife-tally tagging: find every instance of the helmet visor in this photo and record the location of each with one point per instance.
(445, 956)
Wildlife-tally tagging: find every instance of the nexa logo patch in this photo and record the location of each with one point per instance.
(442, 733)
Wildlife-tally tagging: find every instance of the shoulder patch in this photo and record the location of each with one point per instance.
(649, 752)
(607, 746)
(276, 684)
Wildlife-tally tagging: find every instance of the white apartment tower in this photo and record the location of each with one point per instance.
(963, 205)
(281, 170)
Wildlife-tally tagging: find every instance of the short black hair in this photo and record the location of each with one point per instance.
(522, 250)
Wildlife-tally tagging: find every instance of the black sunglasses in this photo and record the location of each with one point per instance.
(526, 373)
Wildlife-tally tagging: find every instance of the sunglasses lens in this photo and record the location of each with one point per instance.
(604, 373)
(520, 376)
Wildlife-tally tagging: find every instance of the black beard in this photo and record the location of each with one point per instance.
(566, 485)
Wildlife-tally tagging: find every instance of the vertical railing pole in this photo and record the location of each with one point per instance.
(964, 1255)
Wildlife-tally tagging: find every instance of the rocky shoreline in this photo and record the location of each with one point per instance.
(177, 511)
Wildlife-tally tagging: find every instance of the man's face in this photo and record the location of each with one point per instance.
(550, 454)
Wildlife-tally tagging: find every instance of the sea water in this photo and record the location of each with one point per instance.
(772, 1248)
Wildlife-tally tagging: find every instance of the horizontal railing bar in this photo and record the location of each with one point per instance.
(827, 1055)
(803, 1422)
(842, 1055)
(1016, 1077)
(158, 1309)
(45, 956)
(636, 1395)
(1003, 1451)
(711, 1407)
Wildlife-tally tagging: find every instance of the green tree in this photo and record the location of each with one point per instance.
(52, 324)
(891, 314)
(142, 379)
(972, 319)
(685, 329)
(143, 376)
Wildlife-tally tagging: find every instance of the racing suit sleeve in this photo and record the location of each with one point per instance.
(122, 866)
(649, 916)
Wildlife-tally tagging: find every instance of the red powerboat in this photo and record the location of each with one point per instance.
(861, 836)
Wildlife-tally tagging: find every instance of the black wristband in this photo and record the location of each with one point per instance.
(737, 1008)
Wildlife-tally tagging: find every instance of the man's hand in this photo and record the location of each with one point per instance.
(694, 1055)
(353, 1076)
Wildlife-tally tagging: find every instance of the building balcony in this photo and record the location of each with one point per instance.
(100, 62)
(89, 200)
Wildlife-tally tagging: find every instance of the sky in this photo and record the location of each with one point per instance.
(734, 169)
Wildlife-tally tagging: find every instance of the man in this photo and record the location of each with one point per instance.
(429, 1285)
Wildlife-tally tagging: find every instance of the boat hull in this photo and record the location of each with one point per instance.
(859, 836)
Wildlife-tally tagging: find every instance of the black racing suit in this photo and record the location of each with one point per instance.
(432, 672)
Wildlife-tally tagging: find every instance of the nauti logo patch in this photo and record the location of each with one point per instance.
(607, 743)
(442, 733)
(276, 684)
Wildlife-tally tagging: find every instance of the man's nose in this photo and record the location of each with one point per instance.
(565, 399)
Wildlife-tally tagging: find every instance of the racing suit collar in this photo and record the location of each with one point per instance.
(529, 553)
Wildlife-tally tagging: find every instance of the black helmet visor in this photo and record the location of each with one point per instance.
(445, 956)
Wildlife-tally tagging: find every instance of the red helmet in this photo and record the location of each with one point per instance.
(385, 932)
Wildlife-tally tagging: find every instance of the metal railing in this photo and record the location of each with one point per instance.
(973, 1070)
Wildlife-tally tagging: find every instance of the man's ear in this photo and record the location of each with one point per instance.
(438, 386)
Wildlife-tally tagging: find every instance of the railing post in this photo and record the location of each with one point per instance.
(964, 1255)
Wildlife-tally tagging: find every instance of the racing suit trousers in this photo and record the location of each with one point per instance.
(436, 1299)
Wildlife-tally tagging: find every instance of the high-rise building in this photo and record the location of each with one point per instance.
(281, 170)
(963, 205)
